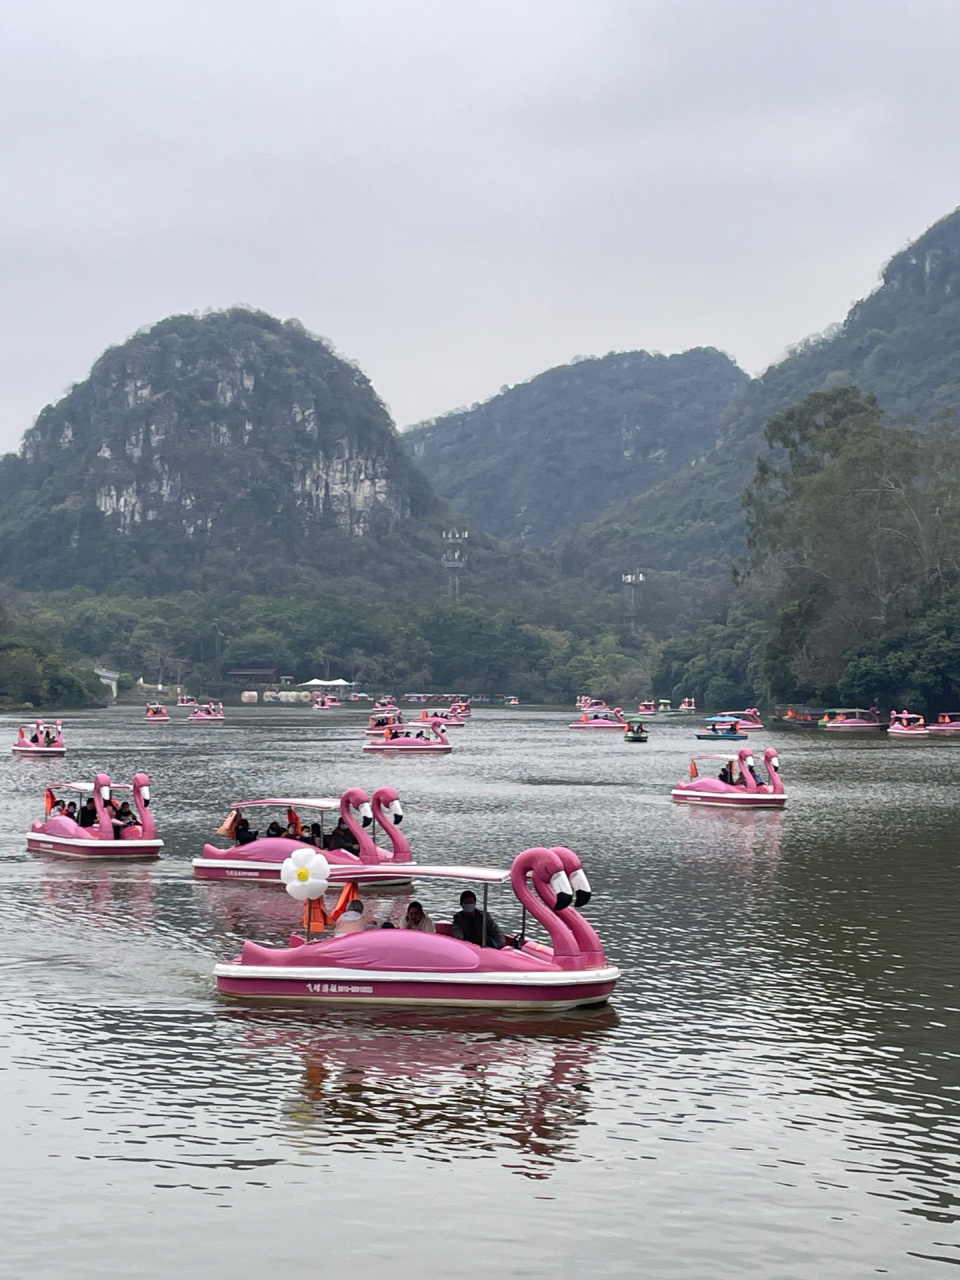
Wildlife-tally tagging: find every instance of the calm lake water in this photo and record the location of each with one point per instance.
(774, 1091)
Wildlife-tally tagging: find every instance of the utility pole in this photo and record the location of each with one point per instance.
(454, 558)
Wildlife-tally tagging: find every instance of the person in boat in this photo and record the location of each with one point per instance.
(88, 814)
(468, 923)
(274, 831)
(124, 817)
(417, 919)
(57, 808)
(341, 837)
(48, 738)
(726, 775)
(242, 833)
(34, 738)
(71, 810)
(351, 921)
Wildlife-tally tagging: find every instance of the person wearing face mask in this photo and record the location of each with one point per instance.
(468, 923)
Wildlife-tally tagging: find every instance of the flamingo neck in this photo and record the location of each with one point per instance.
(368, 850)
(104, 821)
(401, 846)
(566, 952)
(148, 828)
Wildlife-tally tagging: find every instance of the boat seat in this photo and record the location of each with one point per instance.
(444, 927)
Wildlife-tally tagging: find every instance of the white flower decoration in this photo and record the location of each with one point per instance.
(306, 874)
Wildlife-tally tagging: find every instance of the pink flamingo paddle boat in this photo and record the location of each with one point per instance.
(850, 720)
(737, 787)
(156, 713)
(60, 835)
(185, 700)
(461, 710)
(405, 967)
(40, 740)
(210, 711)
(388, 814)
(747, 721)
(401, 740)
(947, 724)
(647, 708)
(446, 718)
(386, 718)
(261, 859)
(905, 725)
(601, 720)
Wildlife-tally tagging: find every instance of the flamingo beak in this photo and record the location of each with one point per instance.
(145, 796)
(397, 813)
(581, 887)
(561, 887)
(104, 794)
(366, 813)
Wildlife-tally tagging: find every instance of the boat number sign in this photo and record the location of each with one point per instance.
(339, 989)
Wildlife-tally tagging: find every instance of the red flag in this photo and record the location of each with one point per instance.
(315, 918)
(347, 895)
(49, 800)
(294, 817)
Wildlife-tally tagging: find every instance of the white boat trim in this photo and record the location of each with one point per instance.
(369, 870)
(525, 978)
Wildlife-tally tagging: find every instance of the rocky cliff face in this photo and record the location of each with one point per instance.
(231, 443)
(552, 453)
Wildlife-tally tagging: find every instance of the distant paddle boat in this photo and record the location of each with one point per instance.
(634, 730)
(386, 718)
(210, 711)
(600, 720)
(725, 730)
(156, 713)
(647, 708)
(461, 710)
(40, 740)
(590, 704)
(737, 786)
(446, 718)
(688, 704)
(850, 720)
(61, 835)
(747, 721)
(260, 859)
(904, 725)
(397, 967)
(186, 701)
(401, 740)
(947, 724)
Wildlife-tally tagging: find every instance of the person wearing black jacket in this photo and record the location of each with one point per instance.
(468, 923)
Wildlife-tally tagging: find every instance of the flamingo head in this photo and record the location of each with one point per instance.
(142, 784)
(576, 875)
(772, 760)
(390, 804)
(102, 784)
(359, 801)
(560, 885)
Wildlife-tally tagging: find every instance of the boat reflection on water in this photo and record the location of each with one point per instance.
(439, 1086)
(740, 835)
(99, 893)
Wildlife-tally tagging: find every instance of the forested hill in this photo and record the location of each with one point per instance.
(901, 343)
(555, 452)
(231, 449)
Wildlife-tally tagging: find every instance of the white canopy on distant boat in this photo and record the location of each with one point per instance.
(89, 786)
(321, 802)
(327, 684)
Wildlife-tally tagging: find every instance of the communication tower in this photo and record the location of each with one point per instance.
(454, 558)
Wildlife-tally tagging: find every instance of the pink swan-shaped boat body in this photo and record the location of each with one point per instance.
(592, 719)
(49, 742)
(156, 713)
(905, 725)
(402, 967)
(261, 859)
(62, 836)
(406, 743)
(210, 711)
(745, 793)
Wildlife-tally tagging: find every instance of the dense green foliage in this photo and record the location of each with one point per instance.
(853, 526)
(385, 644)
(547, 455)
(36, 671)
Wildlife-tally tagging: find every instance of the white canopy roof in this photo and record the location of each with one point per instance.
(374, 871)
(317, 802)
(329, 684)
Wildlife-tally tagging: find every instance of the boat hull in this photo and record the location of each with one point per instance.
(100, 850)
(388, 748)
(39, 751)
(597, 724)
(898, 731)
(550, 992)
(944, 730)
(729, 800)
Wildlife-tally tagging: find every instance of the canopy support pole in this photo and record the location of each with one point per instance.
(483, 928)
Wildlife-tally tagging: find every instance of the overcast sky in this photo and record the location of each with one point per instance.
(461, 193)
